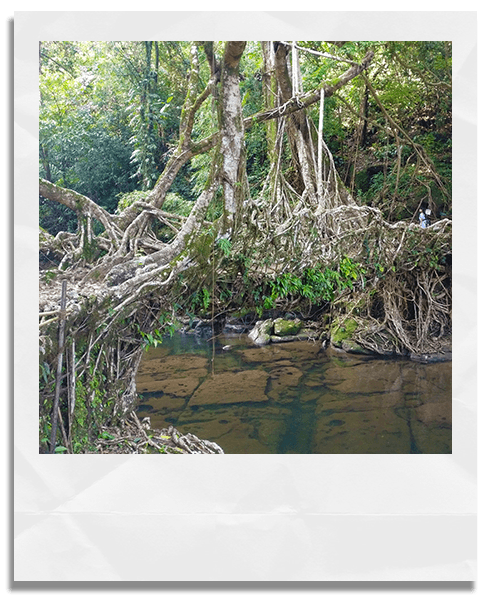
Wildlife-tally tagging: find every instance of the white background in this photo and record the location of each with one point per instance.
(278, 518)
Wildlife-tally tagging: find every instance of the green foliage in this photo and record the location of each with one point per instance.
(178, 205)
(200, 170)
(83, 131)
(169, 324)
(108, 116)
(424, 252)
(216, 207)
(45, 371)
(147, 112)
(109, 119)
(150, 338)
(128, 198)
(349, 272)
(315, 285)
(258, 160)
(200, 300)
(224, 245)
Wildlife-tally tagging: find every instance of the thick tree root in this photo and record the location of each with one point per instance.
(136, 436)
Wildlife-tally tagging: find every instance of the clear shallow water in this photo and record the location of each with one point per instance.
(295, 398)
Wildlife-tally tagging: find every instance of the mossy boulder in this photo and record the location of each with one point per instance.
(286, 327)
(342, 330)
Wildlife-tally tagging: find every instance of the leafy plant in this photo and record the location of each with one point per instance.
(349, 272)
(314, 285)
(49, 276)
(150, 339)
(128, 198)
(224, 245)
(200, 300)
(45, 371)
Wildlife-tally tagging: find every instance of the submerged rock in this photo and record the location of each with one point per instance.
(168, 367)
(283, 379)
(232, 388)
(353, 347)
(434, 357)
(265, 355)
(304, 335)
(165, 403)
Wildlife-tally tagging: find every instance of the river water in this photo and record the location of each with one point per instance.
(295, 398)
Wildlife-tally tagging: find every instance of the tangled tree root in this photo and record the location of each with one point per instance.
(405, 288)
(116, 301)
(137, 437)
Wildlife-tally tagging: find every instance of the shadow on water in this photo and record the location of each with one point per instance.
(295, 398)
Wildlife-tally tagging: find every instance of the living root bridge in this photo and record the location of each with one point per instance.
(401, 302)
(125, 283)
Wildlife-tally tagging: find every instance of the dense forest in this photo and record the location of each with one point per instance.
(231, 181)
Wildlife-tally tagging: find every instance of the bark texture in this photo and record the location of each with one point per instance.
(232, 137)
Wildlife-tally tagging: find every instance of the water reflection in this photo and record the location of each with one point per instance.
(295, 398)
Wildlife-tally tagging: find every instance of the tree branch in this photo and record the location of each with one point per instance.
(289, 107)
(325, 54)
(304, 100)
(80, 204)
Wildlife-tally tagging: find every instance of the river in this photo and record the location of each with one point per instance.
(295, 397)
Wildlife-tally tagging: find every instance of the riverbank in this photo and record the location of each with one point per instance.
(343, 335)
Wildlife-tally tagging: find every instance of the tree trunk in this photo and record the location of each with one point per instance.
(269, 87)
(297, 127)
(232, 140)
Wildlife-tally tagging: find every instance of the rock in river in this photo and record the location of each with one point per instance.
(286, 327)
(261, 332)
(278, 330)
(230, 388)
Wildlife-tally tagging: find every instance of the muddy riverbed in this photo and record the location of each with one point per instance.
(295, 398)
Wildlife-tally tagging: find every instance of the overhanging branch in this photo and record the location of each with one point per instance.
(324, 54)
(80, 204)
(293, 105)
(304, 100)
